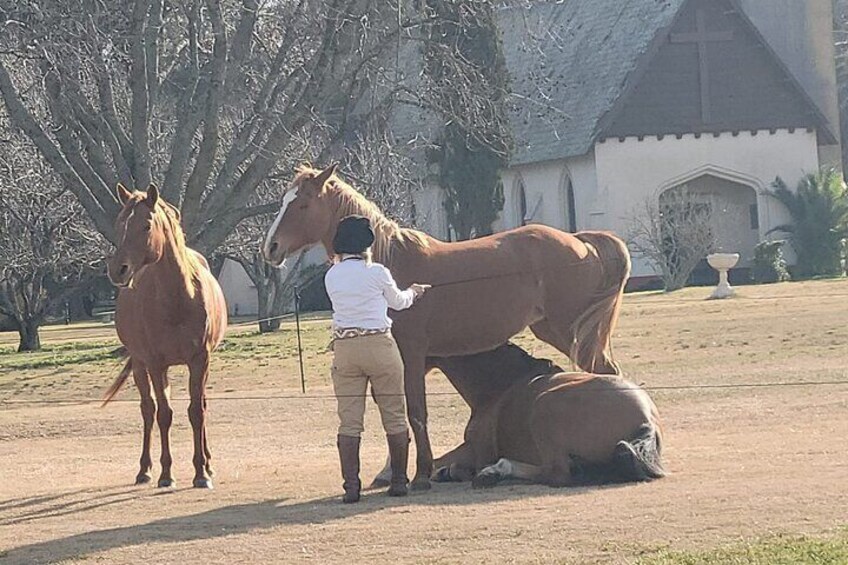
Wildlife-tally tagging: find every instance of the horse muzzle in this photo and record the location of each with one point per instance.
(120, 274)
(274, 254)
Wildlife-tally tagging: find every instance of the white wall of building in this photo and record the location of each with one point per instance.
(239, 290)
(633, 170)
(545, 186)
(430, 215)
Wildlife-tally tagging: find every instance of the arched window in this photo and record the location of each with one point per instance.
(570, 208)
(520, 203)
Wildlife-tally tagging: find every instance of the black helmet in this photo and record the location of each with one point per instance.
(354, 235)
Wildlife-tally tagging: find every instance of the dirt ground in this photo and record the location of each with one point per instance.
(746, 462)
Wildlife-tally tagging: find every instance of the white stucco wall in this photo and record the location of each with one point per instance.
(430, 215)
(630, 171)
(548, 180)
(612, 182)
(238, 290)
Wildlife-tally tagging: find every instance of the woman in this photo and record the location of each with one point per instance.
(364, 350)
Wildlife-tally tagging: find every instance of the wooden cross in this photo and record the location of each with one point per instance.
(702, 37)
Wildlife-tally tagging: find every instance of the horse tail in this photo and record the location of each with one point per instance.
(639, 458)
(120, 380)
(593, 329)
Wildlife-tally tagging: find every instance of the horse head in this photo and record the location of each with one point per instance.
(306, 215)
(513, 361)
(142, 228)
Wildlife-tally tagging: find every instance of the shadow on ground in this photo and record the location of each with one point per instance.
(220, 522)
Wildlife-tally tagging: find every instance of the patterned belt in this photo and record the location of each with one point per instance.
(347, 333)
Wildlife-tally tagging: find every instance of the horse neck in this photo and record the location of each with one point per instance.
(175, 278)
(385, 231)
(476, 386)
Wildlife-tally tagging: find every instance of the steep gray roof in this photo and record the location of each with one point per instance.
(569, 62)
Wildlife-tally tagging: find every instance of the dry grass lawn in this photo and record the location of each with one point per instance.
(747, 462)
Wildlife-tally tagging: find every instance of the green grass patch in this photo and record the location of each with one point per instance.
(249, 345)
(779, 550)
(57, 355)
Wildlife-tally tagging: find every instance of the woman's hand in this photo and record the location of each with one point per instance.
(419, 289)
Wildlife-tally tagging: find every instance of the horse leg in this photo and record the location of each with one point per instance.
(384, 477)
(198, 375)
(507, 469)
(208, 455)
(460, 453)
(164, 416)
(416, 408)
(556, 473)
(457, 465)
(561, 340)
(148, 414)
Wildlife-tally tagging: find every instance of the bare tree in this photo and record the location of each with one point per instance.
(674, 232)
(379, 170)
(205, 96)
(274, 286)
(466, 77)
(48, 249)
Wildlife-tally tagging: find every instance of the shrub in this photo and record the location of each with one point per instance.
(819, 211)
(769, 265)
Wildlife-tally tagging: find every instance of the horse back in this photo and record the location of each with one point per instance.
(587, 415)
(489, 289)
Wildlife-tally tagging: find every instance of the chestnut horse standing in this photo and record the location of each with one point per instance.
(566, 287)
(170, 311)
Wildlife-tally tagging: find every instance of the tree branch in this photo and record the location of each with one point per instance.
(140, 102)
(209, 144)
(23, 119)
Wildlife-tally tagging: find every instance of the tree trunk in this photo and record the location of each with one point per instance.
(265, 301)
(30, 340)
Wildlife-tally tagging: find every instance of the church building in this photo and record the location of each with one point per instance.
(618, 102)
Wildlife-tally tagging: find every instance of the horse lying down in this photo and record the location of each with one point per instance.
(532, 421)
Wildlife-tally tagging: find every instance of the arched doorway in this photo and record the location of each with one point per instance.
(732, 211)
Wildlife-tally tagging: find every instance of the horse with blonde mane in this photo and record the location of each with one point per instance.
(566, 287)
(170, 311)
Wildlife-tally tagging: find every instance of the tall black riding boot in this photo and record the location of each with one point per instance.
(399, 453)
(349, 456)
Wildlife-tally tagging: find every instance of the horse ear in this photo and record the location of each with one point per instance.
(152, 196)
(325, 175)
(123, 194)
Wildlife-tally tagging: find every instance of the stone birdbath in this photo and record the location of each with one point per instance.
(722, 262)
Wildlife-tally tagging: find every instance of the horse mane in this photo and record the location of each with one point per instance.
(188, 262)
(350, 201)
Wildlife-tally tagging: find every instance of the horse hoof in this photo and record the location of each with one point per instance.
(420, 484)
(143, 479)
(167, 483)
(203, 483)
(379, 483)
(485, 480)
(442, 475)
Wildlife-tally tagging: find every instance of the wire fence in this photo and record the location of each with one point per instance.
(646, 301)
(269, 397)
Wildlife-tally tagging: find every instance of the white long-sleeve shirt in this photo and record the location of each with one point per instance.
(362, 293)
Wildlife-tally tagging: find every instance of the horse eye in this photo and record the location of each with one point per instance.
(304, 206)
